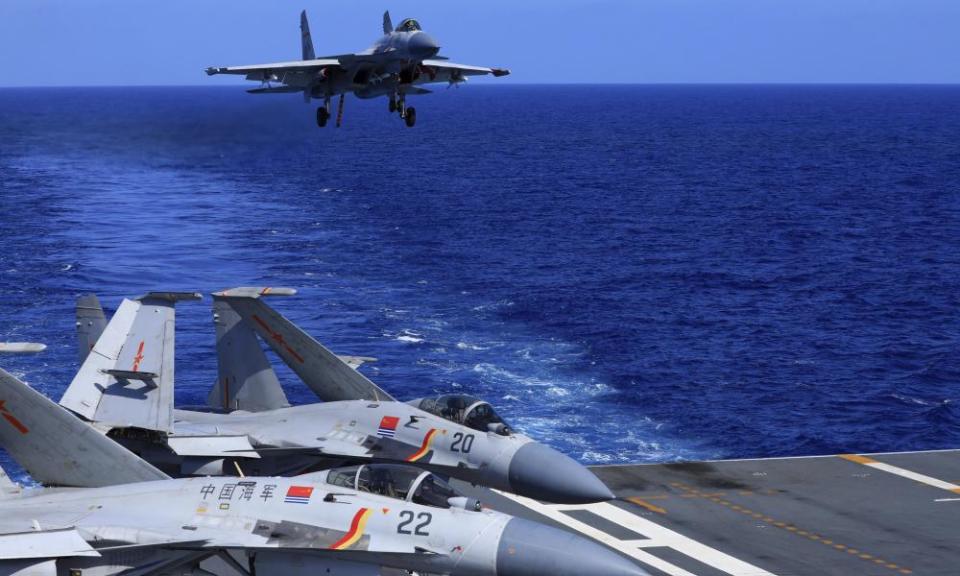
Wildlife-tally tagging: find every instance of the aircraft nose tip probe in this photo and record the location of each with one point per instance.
(543, 473)
(531, 549)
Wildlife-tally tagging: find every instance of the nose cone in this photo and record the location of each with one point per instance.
(422, 45)
(542, 473)
(531, 549)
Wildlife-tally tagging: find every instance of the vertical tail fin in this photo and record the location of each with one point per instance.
(306, 41)
(387, 24)
(327, 374)
(58, 448)
(90, 323)
(245, 378)
(127, 379)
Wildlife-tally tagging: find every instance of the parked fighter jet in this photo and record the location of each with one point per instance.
(125, 387)
(397, 64)
(139, 522)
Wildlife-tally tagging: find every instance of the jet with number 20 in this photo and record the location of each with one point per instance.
(125, 388)
(397, 65)
(136, 521)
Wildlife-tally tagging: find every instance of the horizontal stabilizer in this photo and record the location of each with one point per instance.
(21, 347)
(415, 90)
(45, 544)
(255, 292)
(172, 297)
(275, 90)
(356, 361)
(217, 446)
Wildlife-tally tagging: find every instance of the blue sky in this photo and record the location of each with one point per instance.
(139, 42)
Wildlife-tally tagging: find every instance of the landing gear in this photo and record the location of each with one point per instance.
(409, 115)
(393, 104)
(323, 113)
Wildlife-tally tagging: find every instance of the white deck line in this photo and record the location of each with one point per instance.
(658, 536)
(922, 478)
(772, 458)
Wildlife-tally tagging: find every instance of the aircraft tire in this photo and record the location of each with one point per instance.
(322, 117)
(411, 117)
(393, 105)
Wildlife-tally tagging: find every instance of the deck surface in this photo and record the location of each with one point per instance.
(876, 515)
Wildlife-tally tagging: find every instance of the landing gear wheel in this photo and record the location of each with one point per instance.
(393, 105)
(322, 116)
(410, 117)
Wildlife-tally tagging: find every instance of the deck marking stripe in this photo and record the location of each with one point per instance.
(793, 529)
(644, 504)
(658, 536)
(858, 459)
(903, 472)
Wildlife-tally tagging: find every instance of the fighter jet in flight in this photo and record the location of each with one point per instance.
(397, 65)
(139, 522)
(125, 388)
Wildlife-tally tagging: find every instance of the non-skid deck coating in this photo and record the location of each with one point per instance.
(847, 515)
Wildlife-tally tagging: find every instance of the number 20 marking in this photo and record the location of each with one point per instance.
(420, 529)
(462, 443)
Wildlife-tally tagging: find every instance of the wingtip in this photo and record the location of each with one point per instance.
(501, 72)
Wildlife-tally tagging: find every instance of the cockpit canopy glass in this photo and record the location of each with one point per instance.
(467, 410)
(409, 25)
(395, 481)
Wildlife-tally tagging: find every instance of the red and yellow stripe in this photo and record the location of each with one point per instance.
(425, 447)
(357, 526)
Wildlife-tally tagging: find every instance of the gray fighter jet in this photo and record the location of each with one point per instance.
(125, 388)
(397, 65)
(138, 522)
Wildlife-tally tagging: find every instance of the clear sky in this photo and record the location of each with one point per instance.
(144, 42)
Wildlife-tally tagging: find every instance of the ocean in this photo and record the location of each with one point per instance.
(629, 273)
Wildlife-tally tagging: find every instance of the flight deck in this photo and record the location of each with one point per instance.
(877, 515)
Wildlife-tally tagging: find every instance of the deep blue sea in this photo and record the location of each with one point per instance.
(631, 273)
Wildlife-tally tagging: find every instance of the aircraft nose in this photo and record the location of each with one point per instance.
(542, 473)
(531, 549)
(423, 45)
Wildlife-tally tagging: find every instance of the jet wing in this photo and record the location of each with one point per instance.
(277, 67)
(451, 69)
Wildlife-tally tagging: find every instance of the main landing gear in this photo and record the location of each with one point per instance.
(409, 115)
(323, 113)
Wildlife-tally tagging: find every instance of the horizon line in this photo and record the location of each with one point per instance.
(503, 85)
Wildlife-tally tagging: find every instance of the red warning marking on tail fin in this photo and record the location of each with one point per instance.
(138, 358)
(278, 338)
(12, 419)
